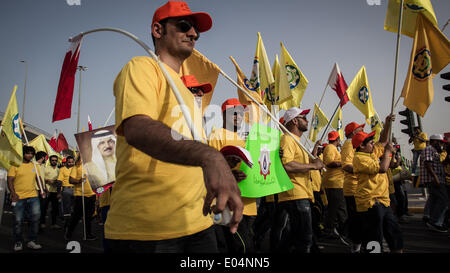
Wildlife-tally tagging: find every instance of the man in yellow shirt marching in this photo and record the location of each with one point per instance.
(66, 189)
(419, 139)
(295, 205)
(333, 182)
(233, 112)
(350, 185)
(51, 174)
(165, 181)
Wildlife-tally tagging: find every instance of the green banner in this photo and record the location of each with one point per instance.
(267, 176)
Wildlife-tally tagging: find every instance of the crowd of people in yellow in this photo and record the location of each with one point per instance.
(166, 187)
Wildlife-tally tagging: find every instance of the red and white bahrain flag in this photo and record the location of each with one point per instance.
(63, 103)
(337, 83)
(52, 141)
(89, 123)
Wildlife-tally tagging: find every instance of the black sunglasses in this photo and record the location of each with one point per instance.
(184, 26)
(195, 90)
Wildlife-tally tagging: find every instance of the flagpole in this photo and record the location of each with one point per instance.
(400, 19)
(323, 94)
(110, 114)
(81, 69)
(82, 201)
(331, 119)
(169, 79)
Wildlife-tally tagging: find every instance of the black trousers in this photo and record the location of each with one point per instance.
(201, 242)
(336, 215)
(240, 242)
(354, 222)
(51, 199)
(77, 214)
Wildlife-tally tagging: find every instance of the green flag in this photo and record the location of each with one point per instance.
(267, 176)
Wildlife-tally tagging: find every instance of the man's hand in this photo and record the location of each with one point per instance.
(390, 118)
(239, 175)
(14, 197)
(388, 147)
(221, 185)
(43, 195)
(318, 164)
(233, 160)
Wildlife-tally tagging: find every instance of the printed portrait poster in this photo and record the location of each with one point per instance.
(98, 155)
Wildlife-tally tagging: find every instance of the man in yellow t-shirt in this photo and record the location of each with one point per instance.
(333, 182)
(295, 204)
(232, 113)
(51, 173)
(165, 181)
(372, 193)
(22, 187)
(82, 189)
(419, 139)
(66, 189)
(350, 185)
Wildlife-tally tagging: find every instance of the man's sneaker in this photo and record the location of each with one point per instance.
(33, 245)
(18, 246)
(436, 228)
(90, 237)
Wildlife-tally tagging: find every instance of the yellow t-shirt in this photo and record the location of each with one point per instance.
(372, 186)
(221, 138)
(391, 181)
(75, 173)
(316, 179)
(419, 145)
(152, 199)
(24, 180)
(333, 177)
(350, 180)
(51, 173)
(302, 181)
(63, 176)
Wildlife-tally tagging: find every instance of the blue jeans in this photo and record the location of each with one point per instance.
(416, 155)
(437, 204)
(67, 201)
(33, 208)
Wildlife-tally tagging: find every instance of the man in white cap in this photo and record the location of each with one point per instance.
(432, 174)
(295, 203)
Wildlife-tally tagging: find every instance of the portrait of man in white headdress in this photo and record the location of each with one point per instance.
(101, 168)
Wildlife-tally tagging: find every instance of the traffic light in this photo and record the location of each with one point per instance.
(446, 76)
(409, 121)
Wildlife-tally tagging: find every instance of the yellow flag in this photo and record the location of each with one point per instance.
(204, 71)
(336, 123)
(40, 144)
(359, 93)
(262, 78)
(411, 8)
(10, 137)
(319, 120)
(243, 82)
(429, 55)
(297, 81)
(375, 125)
(282, 91)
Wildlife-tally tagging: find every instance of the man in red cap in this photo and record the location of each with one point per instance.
(333, 182)
(165, 181)
(197, 89)
(350, 185)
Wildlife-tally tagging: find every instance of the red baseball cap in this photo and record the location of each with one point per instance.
(191, 81)
(231, 103)
(352, 127)
(333, 135)
(203, 21)
(359, 137)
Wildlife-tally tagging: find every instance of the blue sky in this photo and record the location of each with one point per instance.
(316, 33)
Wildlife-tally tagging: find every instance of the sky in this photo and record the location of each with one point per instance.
(316, 33)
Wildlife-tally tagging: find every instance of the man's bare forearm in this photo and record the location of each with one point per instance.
(155, 139)
(295, 167)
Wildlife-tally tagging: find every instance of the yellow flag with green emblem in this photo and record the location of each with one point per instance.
(336, 123)
(10, 137)
(411, 8)
(282, 91)
(319, 120)
(359, 94)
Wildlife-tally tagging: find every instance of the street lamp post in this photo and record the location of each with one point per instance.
(24, 89)
(80, 68)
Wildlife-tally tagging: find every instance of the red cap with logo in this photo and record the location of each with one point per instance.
(359, 137)
(203, 21)
(352, 127)
(332, 136)
(231, 103)
(191, 81)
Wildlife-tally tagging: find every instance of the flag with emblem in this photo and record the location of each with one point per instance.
(10, 137)
(296, 80)
(243, 82)
(262, 78)
(319, 120)
(411, 8)
(359, 94)
(429, 55)
(336, 123)
(337, 83)
(375, 125)
(282, 91)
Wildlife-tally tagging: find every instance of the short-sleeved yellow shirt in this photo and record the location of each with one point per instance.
(152, 199)
(63, 176)
(51, 174)
(76, 173)
(419, 145)
(350, 180)
(221, 138)
(24, 180)
(333, 177)
(316, 179)
(372, 186)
